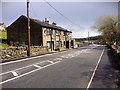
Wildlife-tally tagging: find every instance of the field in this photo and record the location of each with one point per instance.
(3, 35)
(4, 45)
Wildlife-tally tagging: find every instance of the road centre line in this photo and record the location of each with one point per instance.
(27, 73)
(95, 70)
(29, 58)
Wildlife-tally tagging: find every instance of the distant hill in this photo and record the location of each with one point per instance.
(90, 38)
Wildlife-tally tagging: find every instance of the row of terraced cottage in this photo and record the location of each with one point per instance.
(41, 34)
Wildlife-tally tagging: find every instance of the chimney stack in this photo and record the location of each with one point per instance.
(46, 20)
(54, 23)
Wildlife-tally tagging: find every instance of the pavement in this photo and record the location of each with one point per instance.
(107, 74)
(73, 68)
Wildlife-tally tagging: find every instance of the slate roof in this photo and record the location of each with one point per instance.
(46, 25)
(43, 24)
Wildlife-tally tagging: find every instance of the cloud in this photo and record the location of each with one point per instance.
(84, 33)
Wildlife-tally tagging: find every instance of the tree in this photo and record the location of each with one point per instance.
(107, 25)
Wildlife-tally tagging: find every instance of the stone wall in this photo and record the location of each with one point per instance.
(20, 52)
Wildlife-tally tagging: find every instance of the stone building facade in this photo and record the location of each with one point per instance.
(41, 34)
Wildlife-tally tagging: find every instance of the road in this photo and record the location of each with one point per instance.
(74, 68)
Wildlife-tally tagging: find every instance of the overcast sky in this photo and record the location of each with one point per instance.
(82, 14)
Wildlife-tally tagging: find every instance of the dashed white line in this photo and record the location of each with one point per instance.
(22, 67)
(27, 73)
(30, 58)
(36, 66)
(18, 76)
(58, 58)
(51, 62)
(14, 73)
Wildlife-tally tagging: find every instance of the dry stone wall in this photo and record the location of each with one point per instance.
(20, 52)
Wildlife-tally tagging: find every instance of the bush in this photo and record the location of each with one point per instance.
(116, 56)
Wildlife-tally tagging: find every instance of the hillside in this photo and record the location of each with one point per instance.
(3, 38)
(90, 38)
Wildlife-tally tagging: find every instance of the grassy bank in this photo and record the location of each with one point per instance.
(3, 35)
(4, 45)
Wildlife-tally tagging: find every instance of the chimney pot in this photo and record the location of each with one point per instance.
(53, 23)
(45, 19)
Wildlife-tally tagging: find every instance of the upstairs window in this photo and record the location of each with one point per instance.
(58, 33)
(49, 31)
(64, 33)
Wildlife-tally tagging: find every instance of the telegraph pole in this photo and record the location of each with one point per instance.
(59, 38)
(51, 39)
(28, 28)
(88, 38)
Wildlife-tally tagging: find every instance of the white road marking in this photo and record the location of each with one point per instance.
(95, 70)
(62, 56)
(51, 62)
(30, 58)
(27, 73)
(77, 53)
(58, 58)
(14, 73)
(22, 67)
(36, 66)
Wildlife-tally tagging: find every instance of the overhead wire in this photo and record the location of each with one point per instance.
(58, 13)
(61, 13)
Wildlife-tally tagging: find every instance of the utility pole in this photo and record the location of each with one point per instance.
(28, 28)
(59, 38)
(65, 38)
(51, 39)
(88, 38)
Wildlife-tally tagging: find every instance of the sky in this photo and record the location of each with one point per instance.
(82, 14)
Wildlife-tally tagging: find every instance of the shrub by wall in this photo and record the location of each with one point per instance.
(116, 55)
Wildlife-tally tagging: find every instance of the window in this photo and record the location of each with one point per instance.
(59, 44)
(64, 33)
(49, 31)
(48, 44)
(58, 33)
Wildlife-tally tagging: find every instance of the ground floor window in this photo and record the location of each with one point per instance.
(48, 44)
(59, 43)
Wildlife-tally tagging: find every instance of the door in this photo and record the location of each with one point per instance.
(67, 44)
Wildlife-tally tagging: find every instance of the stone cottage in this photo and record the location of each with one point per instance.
(41, 34)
